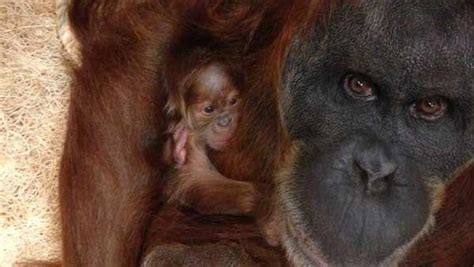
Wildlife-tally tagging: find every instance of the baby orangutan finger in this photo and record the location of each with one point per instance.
(180, 139)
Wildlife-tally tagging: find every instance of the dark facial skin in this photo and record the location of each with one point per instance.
(380, 104)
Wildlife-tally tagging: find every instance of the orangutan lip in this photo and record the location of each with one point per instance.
(303, 245)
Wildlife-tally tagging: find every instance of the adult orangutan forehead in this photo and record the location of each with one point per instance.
(423, 29)
(413, 45)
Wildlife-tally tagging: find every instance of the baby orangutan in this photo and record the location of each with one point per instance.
(205, 113)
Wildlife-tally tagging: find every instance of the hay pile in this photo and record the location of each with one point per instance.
(33, 104)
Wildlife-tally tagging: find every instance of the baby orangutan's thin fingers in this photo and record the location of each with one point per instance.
(180, 138)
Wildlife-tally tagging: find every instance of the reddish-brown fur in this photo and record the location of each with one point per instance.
(452, 241)
(111, 177)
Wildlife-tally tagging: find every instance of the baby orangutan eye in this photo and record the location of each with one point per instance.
(233, 101)
(429, 109)
(208, 109)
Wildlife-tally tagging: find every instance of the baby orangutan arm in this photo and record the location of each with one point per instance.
(208, 192)
(197, 184)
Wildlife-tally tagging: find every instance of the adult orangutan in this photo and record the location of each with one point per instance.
(355, 117)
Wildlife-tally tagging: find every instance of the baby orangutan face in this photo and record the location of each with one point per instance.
(213, 106)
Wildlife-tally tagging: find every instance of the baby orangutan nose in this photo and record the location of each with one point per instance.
(224, 121)
(374, 166)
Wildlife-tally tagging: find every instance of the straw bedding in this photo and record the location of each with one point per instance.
(33, 107)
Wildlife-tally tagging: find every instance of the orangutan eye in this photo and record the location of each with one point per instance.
(360, 87)
(430, 108)
(233, 101)
(208, 109)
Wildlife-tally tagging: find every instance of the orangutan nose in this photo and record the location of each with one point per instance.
(224, 121)
(376, 166)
